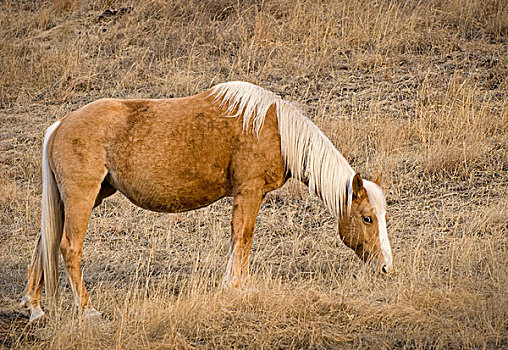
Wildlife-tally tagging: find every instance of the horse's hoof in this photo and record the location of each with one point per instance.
(35, 311)
(236, 283)
(231, 286)
(35, 314)
(91, 313)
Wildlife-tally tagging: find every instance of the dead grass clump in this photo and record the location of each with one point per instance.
(477, 19)
(64, 6)
(459, 129)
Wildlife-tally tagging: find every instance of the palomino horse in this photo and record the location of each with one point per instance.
(175, 155)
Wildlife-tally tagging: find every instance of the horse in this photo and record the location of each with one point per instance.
(235, 139)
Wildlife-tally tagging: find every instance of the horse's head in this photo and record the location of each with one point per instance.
(364, 230)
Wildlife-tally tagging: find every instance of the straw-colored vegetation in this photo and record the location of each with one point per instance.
(417, 89)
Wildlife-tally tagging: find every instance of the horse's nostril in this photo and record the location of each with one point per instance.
(383, 269)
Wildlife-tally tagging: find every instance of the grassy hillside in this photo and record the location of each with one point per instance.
(416, 89)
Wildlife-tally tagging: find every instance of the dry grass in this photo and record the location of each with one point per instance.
(417, 89)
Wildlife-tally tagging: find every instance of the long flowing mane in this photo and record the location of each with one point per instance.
(308, 155)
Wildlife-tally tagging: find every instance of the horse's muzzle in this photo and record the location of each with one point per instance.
(385, 269)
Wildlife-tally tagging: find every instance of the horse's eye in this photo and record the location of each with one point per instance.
(367, 219)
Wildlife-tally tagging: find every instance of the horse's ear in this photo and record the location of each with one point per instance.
(377, 181)
(357, 185)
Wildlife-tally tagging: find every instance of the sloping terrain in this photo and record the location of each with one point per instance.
(418, 90)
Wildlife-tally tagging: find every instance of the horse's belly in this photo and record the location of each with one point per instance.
(175, 203)
(171, 194)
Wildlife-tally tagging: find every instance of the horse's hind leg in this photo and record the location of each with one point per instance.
(79, 201)
(32, 298)
(246, 206)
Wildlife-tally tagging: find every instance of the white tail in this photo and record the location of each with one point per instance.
(51, 221)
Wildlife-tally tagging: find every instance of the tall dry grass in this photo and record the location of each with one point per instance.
(415, 89)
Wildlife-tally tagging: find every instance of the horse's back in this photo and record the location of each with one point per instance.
(166, 155)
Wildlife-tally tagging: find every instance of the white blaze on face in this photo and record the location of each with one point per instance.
(378, 202)
(383, 238)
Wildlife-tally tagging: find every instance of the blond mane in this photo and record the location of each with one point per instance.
(309, 156)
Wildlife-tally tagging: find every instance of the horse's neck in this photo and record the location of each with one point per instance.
(330, 181)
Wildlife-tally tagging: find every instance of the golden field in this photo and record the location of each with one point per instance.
(416, 89)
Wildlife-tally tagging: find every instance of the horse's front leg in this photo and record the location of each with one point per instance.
(245, 210)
